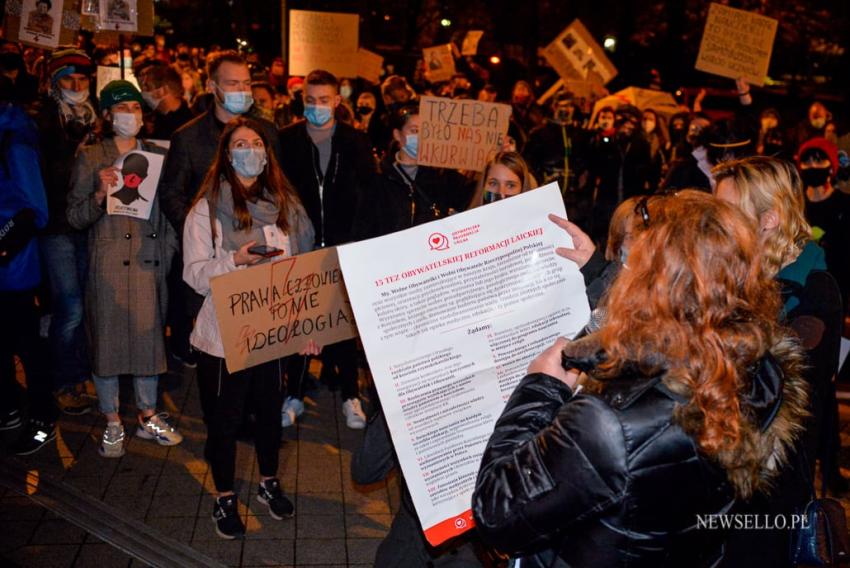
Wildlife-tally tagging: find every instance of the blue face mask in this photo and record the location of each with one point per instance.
(317, 115)
(411, 145)
(248, 162)
(236, 102)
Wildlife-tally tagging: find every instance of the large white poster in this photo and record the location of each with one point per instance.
(450, 314)
(138, 177)
(40, 22)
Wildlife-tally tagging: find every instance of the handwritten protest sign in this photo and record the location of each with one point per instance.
(274, 309)
(323, 40)
(138, 178)
(460, 134)
(470, 42)
(576, 56)
(451, 313)
(370, 65)
(736, 43)
(40, 24)
(439, 63)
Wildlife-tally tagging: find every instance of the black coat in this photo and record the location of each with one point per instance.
(611, 478)
(435, 192)
(349, 174)
(192, 151)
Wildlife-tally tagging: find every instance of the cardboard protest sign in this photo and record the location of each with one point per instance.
(576, 56)
(470, 42)
(439, 63)
(137, 181)
(323, 40)
(105, 29)
(41, 24)
(450, 314)
(274, 309)
(736, 43)
(460, 134)
(105, 74)
(370, 65)
(119, 15)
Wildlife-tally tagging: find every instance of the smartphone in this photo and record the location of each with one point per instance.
(265, 250)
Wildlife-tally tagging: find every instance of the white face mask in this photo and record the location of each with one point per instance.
(73, 97)
(126, 124)
(151, 100)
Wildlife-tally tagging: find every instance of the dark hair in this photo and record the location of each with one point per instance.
(401, 114)
(215, 60)
(48, 2)
(271, 183)
(321, 77)
(167, 76)
(263, 85)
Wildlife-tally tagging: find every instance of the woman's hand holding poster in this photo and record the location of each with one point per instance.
(450, 314)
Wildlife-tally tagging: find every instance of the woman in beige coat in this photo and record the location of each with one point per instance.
(126, 294)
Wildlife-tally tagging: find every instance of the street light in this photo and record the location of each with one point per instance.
(445, 22)
(609, 43)
(495, 59)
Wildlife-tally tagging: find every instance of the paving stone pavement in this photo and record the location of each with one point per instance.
(337, 523)
(168, 489)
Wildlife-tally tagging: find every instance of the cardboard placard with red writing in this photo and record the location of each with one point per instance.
(460, 134)
(576, 56)
(736, 43)
(274, 309)
(439, 63)
(323, 40)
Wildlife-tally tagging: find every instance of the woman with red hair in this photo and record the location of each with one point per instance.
(690, 399)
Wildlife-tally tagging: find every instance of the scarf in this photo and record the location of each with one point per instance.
(263, 212)
(82, 114)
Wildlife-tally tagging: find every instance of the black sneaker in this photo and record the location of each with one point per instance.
(271, 494)
(226, 517)
(10, 420)
(188, 358)
(37, 434)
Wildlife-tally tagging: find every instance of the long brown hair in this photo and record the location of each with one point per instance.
(271, 183)
(696, 303)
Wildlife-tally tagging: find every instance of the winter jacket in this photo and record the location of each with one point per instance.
(203, 260)
(332, 210)
(21, 188)
(612, 475)
(192, 151)
(391, 200)
(126, 295)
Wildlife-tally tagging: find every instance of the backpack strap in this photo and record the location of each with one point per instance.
(213, 231)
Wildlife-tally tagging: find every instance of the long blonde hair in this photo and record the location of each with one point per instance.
(769, 184)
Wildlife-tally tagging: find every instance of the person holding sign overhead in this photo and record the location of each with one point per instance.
(245, 212)
(126, 295)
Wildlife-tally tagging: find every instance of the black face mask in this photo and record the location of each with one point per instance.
(364, 110)
(815, 177)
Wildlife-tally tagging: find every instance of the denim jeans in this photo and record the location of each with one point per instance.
(66, 263)
(107, 393)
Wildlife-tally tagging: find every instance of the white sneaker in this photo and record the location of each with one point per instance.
(112, 443)
(293, 408)
(353, 412)
(156, 428)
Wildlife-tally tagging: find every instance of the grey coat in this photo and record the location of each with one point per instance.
(126, 294)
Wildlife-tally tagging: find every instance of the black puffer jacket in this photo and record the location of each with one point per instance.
(613, 478)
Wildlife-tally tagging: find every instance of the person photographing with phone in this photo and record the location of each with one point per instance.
(245, 213)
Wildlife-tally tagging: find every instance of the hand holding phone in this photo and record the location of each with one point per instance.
(265, 250)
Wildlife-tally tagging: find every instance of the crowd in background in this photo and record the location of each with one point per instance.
(256, 157)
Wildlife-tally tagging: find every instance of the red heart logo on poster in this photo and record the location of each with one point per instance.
(438, 241)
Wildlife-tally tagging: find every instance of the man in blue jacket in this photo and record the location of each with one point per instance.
(23, 210)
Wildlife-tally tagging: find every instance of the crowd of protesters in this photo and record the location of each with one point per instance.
(255, 157)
